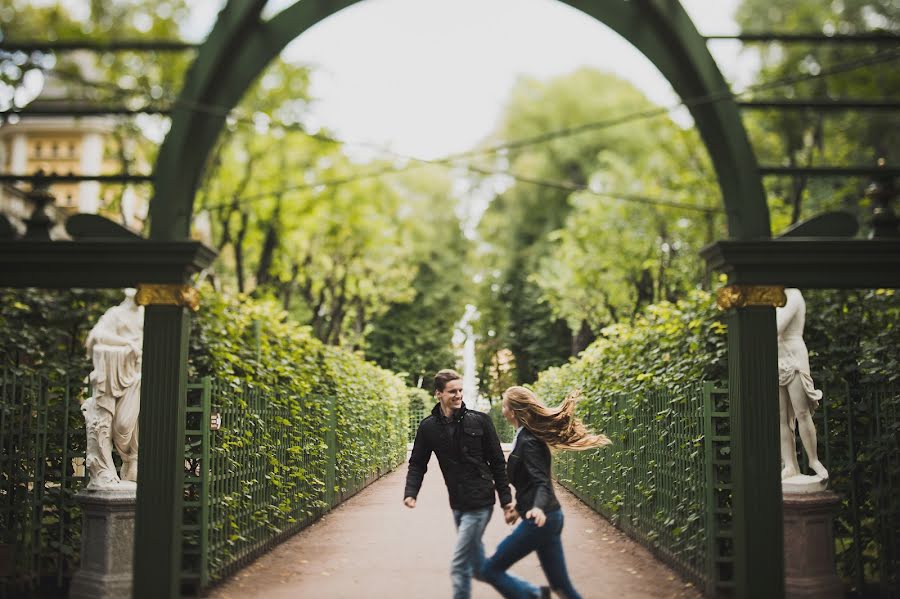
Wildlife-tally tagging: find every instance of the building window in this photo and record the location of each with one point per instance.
(37, 150)
(55, 150)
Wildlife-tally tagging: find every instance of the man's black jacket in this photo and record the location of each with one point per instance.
(529, 473)
(468, 451)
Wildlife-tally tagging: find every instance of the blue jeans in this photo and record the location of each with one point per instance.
(528, 537)
(468, 555)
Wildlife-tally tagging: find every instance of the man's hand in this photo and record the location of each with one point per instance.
(510, 514)
(538, 515)
(409, 502)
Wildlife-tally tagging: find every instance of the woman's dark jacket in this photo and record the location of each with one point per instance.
(468, 451)
(529, 473)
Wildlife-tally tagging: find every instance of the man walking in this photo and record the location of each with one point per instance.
(468, 451)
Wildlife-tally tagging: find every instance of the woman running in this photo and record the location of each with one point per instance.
(537, 429)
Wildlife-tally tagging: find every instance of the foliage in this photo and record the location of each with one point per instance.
(131, 79)
(852, 337)
(249, 347)
(415, 336)
(669, 345)
(504, 429)
(45, 330)
(555, 265)
(670, 348)
(812, 137)
(641, 386)
(245, 341)
(295, 218)
(43, 370)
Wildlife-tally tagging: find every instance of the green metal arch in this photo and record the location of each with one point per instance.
(241, 45)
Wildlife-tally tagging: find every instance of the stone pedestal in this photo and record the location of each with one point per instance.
(809, 570)
(107, 544)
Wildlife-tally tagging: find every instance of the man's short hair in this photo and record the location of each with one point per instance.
(443, 377)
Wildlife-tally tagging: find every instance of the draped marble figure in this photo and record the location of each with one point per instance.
(111, 413)
(797, 395)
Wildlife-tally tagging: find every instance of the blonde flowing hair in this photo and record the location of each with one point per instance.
(557, 427)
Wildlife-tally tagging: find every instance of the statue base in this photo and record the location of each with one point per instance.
(803, 484)
(809, 570)
(107, 543)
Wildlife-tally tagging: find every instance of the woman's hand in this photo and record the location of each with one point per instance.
(538, 515)
(409, 502)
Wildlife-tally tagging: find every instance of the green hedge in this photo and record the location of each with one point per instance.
(244, 341)
(251, 349)
(504, 429)
(667, 346)
(854, 354)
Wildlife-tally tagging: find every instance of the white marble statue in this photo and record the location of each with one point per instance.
(797, 395)
(111, 413)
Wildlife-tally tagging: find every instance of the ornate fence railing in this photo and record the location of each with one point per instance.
(666, 480)
(41, 468)
(272, 468)
(259, 466)
(418, 410)
(861, 449)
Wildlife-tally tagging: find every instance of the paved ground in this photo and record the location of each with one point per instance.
(372, 547)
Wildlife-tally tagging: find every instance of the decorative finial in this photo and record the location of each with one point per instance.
(38, 225)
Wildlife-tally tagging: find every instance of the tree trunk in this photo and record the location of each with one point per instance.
(238, 246)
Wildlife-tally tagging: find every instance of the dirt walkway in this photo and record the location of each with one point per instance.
(372, 547)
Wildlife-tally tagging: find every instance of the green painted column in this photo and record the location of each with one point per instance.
(756, 461)
(157, 559)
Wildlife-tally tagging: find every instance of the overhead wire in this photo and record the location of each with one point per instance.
(453, 160)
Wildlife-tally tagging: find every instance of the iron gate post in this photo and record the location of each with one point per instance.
(157, 555)
(755, 458)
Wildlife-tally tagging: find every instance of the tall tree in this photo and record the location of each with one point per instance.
(563, 264)
(416, 336)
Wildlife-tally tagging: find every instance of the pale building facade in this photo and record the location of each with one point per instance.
(66, 145)
(59, 146)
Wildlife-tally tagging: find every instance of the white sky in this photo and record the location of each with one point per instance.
(430, 77)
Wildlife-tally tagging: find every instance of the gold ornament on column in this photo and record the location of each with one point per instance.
(168, 295)
(741, 296)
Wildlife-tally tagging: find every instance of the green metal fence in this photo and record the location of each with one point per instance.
(860, 448)
(259, 466)
(41, 468)
(257, 470)
(234, 473)
(417, 412)
(665, 480)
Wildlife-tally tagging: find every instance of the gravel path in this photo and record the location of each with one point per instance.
(372, 547)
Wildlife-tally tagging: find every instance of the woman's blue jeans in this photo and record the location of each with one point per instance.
(528, 537)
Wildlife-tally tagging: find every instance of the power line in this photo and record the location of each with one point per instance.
(571, 186)
(568, 186)
(839, 68)
(846, 66)
(453, 158)
(866, 37)
(96, 46)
